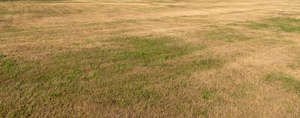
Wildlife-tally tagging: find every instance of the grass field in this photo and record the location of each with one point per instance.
(150, 58)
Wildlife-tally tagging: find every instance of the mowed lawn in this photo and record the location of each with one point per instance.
(150, 58)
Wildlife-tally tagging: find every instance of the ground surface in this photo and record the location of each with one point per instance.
(150, 58)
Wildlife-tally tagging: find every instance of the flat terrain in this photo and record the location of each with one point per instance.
(150, 58)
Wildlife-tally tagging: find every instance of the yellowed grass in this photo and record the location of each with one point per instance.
(93, 58)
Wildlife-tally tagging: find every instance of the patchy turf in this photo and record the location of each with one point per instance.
(145, 58)
(288, 82)
(112, 76)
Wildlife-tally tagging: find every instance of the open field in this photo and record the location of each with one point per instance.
(150, 58)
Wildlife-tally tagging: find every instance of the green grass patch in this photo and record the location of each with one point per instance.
(288, 82)
(2, 56)
(226, 34)
(255, 25)
(279, 24)
(9, 67)
(286, 24)
(152, 51)
(206, 95)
